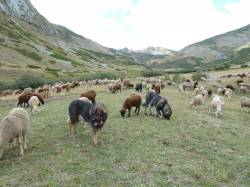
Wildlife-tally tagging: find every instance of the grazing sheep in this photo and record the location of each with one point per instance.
(33, 103)
(217, 103)
(84, 99)
(239, 81)
(157, 88)
(197, 100)
(228, 93)
(116, 88)
(24, 99)
(133, 101)
(147, 87)
(196, 91)
(230, 87)
(127, 84)
(204, 93)
(243, 89)
(246, 85)
(245, 103)
(180, 88)
(91, 95)
(14, 126)
(109, 87)
(27, 91)
(195, 85)
(210, 92)
(138, 87)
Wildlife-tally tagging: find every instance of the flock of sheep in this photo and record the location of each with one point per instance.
(14, 126)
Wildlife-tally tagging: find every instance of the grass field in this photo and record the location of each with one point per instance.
(192, 149)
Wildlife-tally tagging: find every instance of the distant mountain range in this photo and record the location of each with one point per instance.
(29, 43)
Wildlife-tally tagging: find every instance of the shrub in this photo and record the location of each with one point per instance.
(244, 66)
(8, 85)
(197, 76)
(33, 66)
(29, 54)
(29, 81)
(151, 73)
(177, 78)
(101, 75)
(167, 77)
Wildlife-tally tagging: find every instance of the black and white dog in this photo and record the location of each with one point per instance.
(94, 114)
(160, 103)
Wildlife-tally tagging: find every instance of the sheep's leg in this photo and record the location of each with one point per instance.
(145, 110)
(95, 139)
(138, 110)
(20, 145)
(24, 142)
(129, 109)
(135, 109)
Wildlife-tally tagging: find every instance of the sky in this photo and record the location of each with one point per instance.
(137, 24)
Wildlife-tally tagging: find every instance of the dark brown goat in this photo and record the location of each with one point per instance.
(24, 99)
(91, 95)
(133, 101)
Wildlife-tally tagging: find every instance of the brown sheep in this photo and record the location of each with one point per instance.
(116, 88)
(24, 99)
(157, 88)
(127, 84)
(58, 89)
(91, 95)
(133, 101)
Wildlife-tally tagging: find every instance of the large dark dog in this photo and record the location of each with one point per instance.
(94, 114)
(160, 103)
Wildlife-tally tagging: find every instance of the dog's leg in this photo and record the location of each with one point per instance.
(129, 109)
(71, 126)
(150, 107)
(99, 136)
(95, 139)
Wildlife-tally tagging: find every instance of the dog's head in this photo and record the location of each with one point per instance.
(166, 111)
(98, 115)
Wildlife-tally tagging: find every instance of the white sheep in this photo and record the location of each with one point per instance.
(245, 103)
(197, 100)
(228, 93)
(217, 103)
(220, 91)
(84, 99)
(34, 102)
(196, 91)
(14, 127)
(204, 93)
(243, 89)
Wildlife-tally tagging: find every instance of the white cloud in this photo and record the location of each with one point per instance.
(169, 23)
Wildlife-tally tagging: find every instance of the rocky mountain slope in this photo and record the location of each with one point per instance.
(231, 48)
(31, 44)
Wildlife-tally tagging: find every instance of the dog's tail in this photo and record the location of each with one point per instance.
(73, 114)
